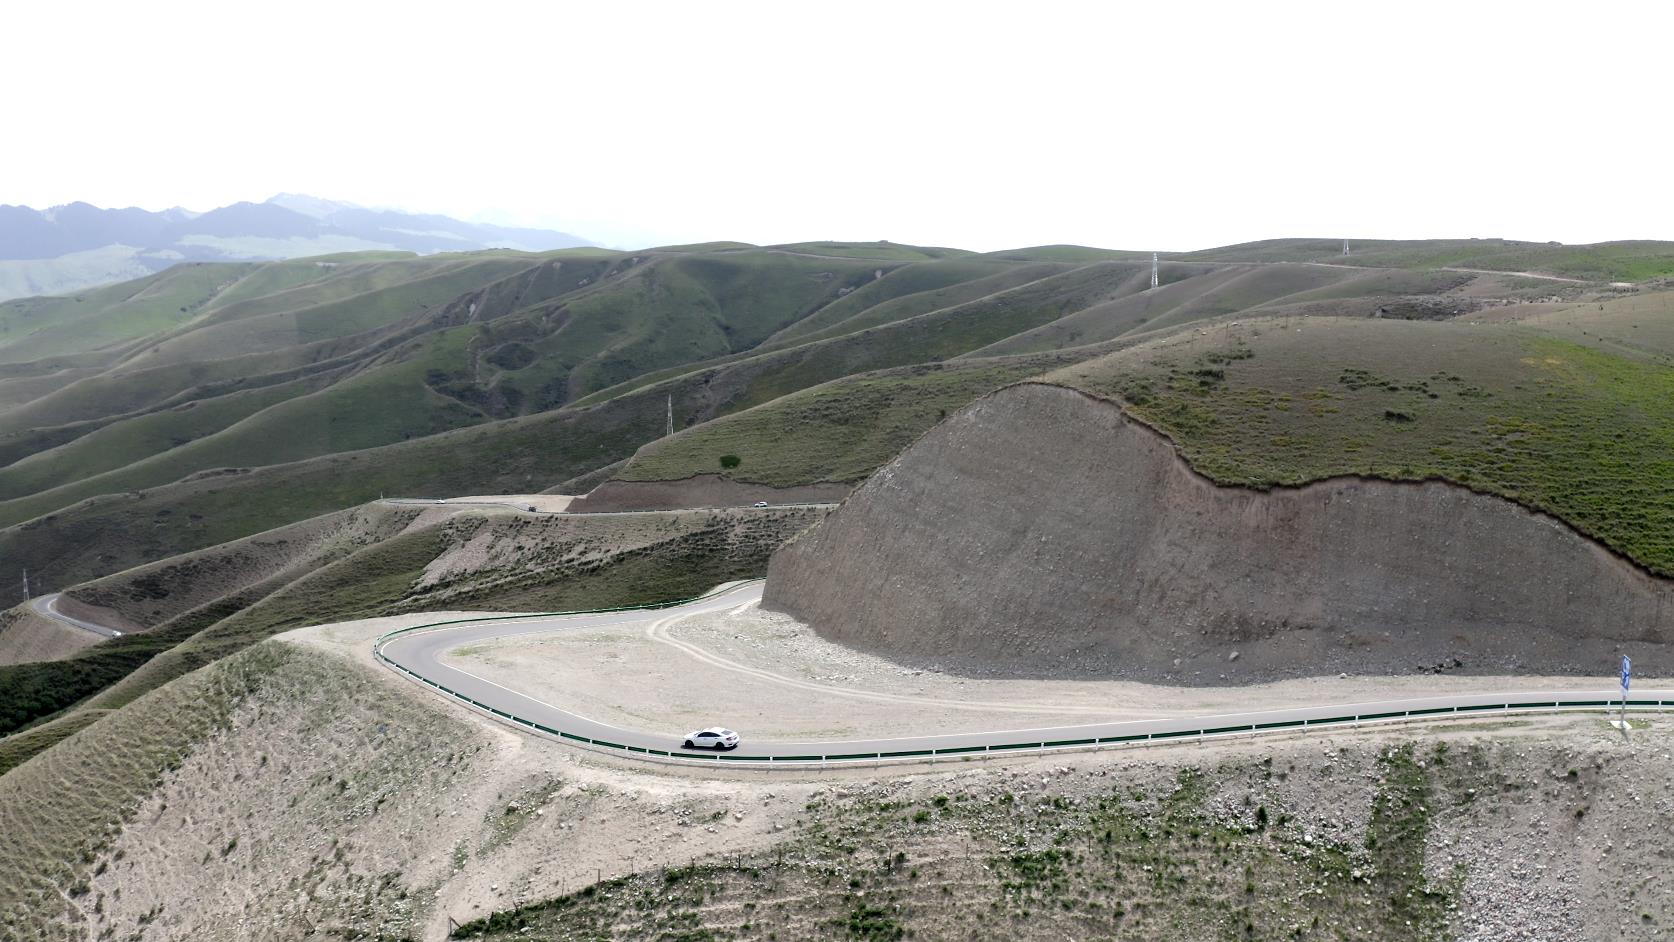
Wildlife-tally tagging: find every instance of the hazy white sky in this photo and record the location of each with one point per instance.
(1168, 125)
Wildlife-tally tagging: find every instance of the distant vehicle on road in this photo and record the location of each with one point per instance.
(712, 738)
(761, 503)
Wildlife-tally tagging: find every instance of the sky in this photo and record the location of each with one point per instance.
(1163, 126)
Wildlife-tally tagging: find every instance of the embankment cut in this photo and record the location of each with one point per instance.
(1041, 531)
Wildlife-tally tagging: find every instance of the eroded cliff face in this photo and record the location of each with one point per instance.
(1042, 531)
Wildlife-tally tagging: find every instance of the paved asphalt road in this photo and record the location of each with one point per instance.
(47, 606)
(420, 652)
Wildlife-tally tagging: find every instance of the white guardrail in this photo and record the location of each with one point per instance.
(1185, 729)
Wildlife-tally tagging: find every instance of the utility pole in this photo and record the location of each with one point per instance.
(670, 414)
(1345, 247)
(1153, 269)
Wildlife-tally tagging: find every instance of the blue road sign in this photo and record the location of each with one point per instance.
(1627, 673)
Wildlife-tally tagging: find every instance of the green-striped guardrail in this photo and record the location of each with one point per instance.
(1509, 704)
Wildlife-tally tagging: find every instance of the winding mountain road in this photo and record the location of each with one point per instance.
(418, 653)
(47, 607)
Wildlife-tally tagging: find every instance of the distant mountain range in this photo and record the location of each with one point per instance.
(69, 248)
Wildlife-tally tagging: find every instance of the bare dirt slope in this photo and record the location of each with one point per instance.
(26, 636)
(1122, 559)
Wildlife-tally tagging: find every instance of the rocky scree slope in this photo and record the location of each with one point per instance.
(1042, 531)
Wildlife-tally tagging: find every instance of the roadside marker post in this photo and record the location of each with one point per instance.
(1627, 681)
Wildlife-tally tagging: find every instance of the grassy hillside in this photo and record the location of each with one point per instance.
(377, 560)
(365, 297)
(49, 844)
(178, 597)
(905, 281)
(539, 369)
(879, 311)
(35, 277)
(543, 334)
(108, 533)
(839, 431)
(32, 328)
(62, 816)
(1555, 423)
(516, 368)
(120, 444)
(881, 251)
(1075, 254)
(1604, 261)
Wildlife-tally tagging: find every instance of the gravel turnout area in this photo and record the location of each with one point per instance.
(767, 675)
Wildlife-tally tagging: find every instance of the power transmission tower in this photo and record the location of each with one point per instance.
(1345, 247)
(1153, 269)
(671, 414)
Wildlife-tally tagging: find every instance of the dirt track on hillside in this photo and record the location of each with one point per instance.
(703, 490)
(1123, 561)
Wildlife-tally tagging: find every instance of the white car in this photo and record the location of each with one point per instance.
(761, 503)
(712, 738)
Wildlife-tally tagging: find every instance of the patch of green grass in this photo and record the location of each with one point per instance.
(1077, 254)
(32, 328)
(881, 251)
(87, 460)
(909, 291)
(840, 431)
(1580, 433)
(1604, 261)
(354, 299)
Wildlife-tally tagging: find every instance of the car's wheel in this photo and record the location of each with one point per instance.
(688, 744)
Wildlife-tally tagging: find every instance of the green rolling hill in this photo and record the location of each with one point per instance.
(289, 392)
(212, 473)
(123, 409)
